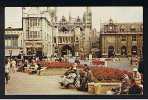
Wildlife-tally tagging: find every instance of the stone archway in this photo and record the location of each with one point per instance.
(66, 49)
(123, 51)
(134, 50)
(111, 51)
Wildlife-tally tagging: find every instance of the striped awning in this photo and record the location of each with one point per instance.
(15, 52)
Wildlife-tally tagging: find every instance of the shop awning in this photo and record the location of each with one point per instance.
(15, 52)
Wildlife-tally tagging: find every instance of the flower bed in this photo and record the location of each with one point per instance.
(98, 62)
(103, 74)
(109, 74)
(55, 64)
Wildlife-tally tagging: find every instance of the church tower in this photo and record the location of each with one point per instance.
(52, 13)
(87, 20)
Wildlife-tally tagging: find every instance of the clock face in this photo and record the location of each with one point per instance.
(110, 28)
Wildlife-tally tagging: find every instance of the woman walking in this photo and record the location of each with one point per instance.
(7, 70)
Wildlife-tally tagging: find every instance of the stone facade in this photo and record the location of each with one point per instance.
(72, 36)
(43, 34)
(121, 39)
(37, 29)
(13, 41)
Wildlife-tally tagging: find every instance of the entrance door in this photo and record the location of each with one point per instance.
(111, 51)
(134, 50)
(66, 49)
(30, 51)
(39, 52)
(123, 51)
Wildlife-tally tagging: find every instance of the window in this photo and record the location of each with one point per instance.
(37, 21)
(54, 40)
(31, 23)
(14, 42)
(35, 34)
(76, 38)
(9, 42)
(60, 39)
(133, 29)
(5, 43)
(123, 38)
(133, 37)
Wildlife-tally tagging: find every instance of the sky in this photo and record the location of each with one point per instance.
(99, 14)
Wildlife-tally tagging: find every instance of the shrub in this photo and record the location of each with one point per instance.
(106, 73)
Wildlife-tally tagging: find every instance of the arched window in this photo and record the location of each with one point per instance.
(133, 29)
(111, 52)
(122, 28)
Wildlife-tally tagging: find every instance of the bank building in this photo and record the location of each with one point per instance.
(121, 39)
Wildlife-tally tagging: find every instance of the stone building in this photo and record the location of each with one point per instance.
(37, 29)
(13, 41)
(121, 39)
(43, 34)
(72, 36)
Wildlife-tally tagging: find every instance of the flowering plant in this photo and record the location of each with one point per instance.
(106, 73)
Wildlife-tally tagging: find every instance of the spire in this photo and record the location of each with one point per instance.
(110, 20)
(69, 17)
(88, 10)
(52, 13)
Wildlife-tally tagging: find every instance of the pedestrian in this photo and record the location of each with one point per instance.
(86, 77)
(34, 67)
(7, 70)
(136, 75)
(71, 77)
(13, 63)
(135, 89)
(125, 84)
(39, 68)
(25, 65)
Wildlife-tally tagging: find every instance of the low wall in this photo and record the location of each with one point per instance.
(53, 71)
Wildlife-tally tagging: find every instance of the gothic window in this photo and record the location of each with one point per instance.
(110, 28)
(54, 40)
(78, 19)
(123, 38)
(141, 28)
(133, 29)
(133, 37)
(122, 28)
(76, 38)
